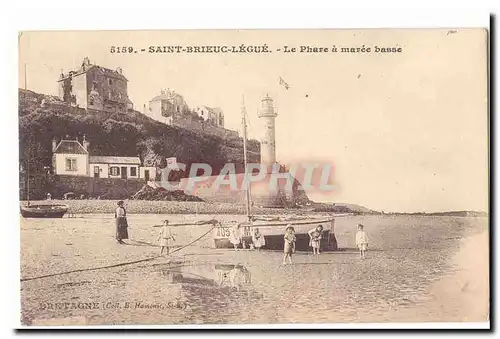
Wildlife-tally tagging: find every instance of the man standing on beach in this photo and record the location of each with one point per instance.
(121, 223)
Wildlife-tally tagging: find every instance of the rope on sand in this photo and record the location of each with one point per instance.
(116, 265)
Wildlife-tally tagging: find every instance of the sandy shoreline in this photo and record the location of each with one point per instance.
(464, 294)
(418, 269)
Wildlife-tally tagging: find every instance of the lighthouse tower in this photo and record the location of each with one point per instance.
(268, 142)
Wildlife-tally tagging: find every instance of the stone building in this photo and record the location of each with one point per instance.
(95, 88)
(213, 116)
(171, 109)
(167, 107)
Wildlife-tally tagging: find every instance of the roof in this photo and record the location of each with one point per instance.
(70, 147)
(104, 159)
(103, 70)
(167, 95)
(108, 72)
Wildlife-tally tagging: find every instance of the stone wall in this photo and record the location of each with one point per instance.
(204, 127)
(105, 188)
(261, 193)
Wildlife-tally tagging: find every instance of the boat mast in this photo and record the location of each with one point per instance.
(29, 143)
(247, 191)
(25, 78)
(28, 177)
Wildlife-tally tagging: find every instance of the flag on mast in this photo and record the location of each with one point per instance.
(283, 83)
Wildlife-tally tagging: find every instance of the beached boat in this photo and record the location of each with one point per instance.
(273, 227)
(273, 230)
(44, 211)
(40, 210)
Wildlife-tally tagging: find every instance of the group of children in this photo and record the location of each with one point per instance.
(315, 236)
(236, 238)
(166, 239)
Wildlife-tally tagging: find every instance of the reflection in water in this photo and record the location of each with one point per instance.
(221, 275)
(214, 293)
(234, 276)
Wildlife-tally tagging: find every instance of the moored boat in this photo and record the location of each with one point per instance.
(44, 211)
(273, 230)
(40, 210)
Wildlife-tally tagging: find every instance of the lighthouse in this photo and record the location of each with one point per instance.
(268, 143)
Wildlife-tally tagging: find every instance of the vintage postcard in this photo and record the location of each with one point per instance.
(201, 177)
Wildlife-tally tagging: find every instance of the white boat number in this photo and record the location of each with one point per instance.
(223, 232)
(226, 232)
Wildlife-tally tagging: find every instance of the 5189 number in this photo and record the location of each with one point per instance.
(123, 49)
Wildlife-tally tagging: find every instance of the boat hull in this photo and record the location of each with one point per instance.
(274, 231)
(44, 211)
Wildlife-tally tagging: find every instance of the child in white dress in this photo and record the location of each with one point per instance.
(361, 241)
(315, 236)
(258, 239)
(235, 236)
(289, 245)
(165, 237)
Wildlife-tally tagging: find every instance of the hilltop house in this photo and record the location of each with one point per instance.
(95, 88)
(70, 157)
(213, 116)
(167, 107)
(170, 108)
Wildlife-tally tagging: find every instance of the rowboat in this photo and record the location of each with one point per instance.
(44, 211)
(41, 210)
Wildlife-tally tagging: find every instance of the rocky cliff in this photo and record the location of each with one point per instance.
(42, 117)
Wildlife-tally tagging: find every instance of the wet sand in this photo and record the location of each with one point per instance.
(417, 269)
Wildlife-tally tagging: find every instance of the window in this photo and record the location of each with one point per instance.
(110, 82)
(91, 101)
(133, 171)
(94, 85)
(71, 164)
(114, 170)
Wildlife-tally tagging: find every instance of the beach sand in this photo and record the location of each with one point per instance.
(417, 269)
(462, 296)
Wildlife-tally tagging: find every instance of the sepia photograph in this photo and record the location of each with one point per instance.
(251, 176)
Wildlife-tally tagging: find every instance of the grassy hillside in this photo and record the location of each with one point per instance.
(42, 117)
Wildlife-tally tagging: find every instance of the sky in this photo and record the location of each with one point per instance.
(404, 131)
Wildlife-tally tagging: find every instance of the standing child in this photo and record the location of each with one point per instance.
(361, 241)
(315, 236)
(235, 236)
(258, 239)
(165, 236)
(289, 247)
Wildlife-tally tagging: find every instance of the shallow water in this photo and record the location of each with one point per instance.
(201, 285)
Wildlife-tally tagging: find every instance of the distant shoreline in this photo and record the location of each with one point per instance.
(185, 207)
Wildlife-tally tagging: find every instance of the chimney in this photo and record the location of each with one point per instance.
(54, 144)
(86, 61)
(86, 144)
(119, 70)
